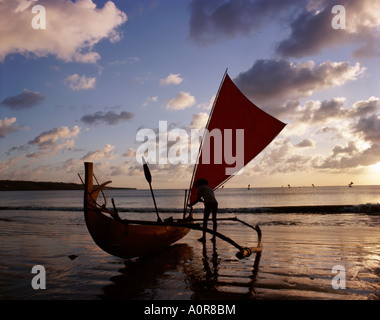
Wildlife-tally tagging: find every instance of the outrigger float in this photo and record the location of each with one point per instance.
(127, 238)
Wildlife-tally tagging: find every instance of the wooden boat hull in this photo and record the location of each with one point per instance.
(126, 240)
(123, 238)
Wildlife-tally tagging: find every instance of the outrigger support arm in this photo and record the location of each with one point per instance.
(243, 252)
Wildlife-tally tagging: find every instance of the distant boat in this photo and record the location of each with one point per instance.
(134, 238)
(350, 184)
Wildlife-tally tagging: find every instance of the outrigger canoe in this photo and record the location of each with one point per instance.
(231, 111)
(127, 239)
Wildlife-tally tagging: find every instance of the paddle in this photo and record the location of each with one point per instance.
(148, 178)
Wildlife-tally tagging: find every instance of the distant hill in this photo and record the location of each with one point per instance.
(11, 185)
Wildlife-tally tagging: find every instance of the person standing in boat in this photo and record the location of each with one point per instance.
(207, 196)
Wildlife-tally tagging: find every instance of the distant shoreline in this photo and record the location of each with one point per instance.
(19, 185)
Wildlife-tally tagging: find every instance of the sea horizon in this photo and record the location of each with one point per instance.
(183, 188)
(253, 200)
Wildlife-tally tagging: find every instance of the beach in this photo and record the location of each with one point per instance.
(306, 256)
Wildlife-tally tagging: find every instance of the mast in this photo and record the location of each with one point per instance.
(188, 194)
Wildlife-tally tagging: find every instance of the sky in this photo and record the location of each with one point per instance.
(80, 79)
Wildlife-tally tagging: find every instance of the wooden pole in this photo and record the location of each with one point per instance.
(88, 183)
(148, 178)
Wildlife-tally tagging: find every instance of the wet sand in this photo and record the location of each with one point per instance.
(299, 254)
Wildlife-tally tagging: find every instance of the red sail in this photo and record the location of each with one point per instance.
(242, 131)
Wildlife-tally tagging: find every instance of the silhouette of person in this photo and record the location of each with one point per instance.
(206, 195)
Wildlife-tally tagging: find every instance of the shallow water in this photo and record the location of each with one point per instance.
(300, 251)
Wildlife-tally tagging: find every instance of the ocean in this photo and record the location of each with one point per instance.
(319, 243)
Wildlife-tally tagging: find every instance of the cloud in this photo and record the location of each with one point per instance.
(315, 112)
(6, 167)
(129, 60)
(347, 157)
(7, 126)
(319, 112)
(310, 24)
(280, 79)
(150, 99)
(130, 153)
(364, 107)
(49, 138)
(105, 153)
(306, 143)
(171, 79)
(109, 118)
(26, 99)
(72, 29)
(16, 149)
(345, 138)
(207, 105)
(212, 20)
(76, 82)
(311, 30)
(199, 120)
(349, 149)
(50, 142)
(315, 34)
(369, 128)
(182, 101)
